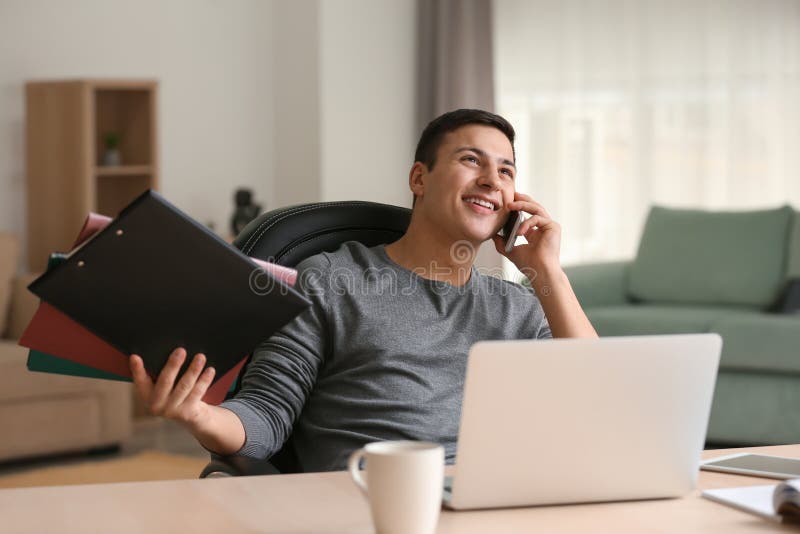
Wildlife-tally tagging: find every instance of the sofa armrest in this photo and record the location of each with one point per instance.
(791, 299)
(23, 305)
(600, 284)
(9, 250)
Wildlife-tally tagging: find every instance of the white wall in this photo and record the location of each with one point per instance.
(301, 100)
(214, 62)
(297, 165)
(367, 99)
(344, 100)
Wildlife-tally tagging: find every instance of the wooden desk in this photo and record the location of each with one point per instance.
(329, 502)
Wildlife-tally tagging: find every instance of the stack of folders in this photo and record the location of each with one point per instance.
(779, 502)
(147, 282)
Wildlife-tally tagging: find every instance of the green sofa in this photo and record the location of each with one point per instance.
(733, 273)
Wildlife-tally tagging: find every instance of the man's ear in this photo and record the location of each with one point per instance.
(416, 178)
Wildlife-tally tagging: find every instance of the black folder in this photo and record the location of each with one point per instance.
(155, 279)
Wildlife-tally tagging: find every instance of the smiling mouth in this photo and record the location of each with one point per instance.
(482, 202)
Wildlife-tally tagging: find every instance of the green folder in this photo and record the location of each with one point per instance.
(55, 259)
(45, 363)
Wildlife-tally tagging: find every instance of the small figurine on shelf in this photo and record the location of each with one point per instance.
(245, 210)
(111, 156)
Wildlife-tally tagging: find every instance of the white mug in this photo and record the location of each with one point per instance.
(403, 484)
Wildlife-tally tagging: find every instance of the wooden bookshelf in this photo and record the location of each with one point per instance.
(66, 125)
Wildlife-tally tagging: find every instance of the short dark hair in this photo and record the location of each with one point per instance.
(434, 132)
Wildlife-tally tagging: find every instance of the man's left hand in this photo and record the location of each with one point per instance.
(542, 233)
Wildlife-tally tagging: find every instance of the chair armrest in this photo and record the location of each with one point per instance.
(235, 466)
(791, 299)
(600, 284)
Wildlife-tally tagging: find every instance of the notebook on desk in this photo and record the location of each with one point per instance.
(583, 420)
(775, 502)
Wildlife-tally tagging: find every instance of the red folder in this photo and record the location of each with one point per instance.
(52, 332)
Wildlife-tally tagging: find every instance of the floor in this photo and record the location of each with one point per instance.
(149, 434)
(154, 433)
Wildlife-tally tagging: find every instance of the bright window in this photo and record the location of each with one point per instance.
(620, 104)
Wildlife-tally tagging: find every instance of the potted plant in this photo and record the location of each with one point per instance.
(111, 155)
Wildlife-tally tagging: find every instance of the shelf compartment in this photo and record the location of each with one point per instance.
(122, 170)
(126, 113)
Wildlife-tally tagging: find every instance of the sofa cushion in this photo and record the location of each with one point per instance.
(9, 253)
(45, 413)
(18, 384)
(702, 257)
(31, 426)
(754, 409)
(643, 319)
(763, 342)
(599, 284)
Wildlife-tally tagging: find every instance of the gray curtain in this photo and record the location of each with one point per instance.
(456, 70)
(454, 57)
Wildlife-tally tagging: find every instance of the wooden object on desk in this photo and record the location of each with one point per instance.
(330, 502)
(66, 122)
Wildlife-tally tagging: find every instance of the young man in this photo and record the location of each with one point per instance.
(381, 353)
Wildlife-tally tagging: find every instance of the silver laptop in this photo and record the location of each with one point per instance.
(583, 420)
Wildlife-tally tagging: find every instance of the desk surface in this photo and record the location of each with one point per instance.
(329, 502)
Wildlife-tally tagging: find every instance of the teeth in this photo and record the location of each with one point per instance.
(481, 203)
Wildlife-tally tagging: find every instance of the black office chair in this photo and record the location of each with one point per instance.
(287, 236)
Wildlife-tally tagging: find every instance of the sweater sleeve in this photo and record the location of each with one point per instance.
(283, 369)
(543, 331)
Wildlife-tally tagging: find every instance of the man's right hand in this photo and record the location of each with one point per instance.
(181, 401)
(217, 429)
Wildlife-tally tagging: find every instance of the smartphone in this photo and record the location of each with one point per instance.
(759, 465)
(510, 229)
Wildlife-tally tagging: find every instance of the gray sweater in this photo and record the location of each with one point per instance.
(381, 354)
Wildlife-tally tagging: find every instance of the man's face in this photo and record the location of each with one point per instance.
(471, 182)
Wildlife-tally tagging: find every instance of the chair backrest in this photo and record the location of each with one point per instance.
(287, 236)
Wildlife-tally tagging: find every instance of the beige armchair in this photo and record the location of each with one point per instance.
(42, 413)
